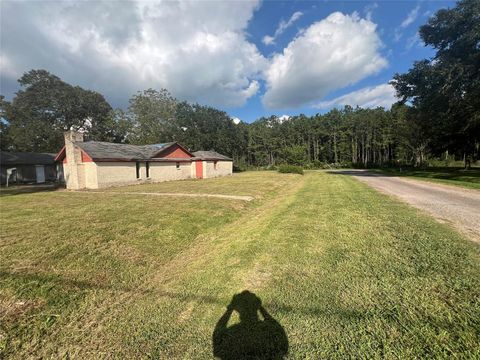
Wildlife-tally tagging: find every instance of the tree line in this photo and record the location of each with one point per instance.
(437, 115)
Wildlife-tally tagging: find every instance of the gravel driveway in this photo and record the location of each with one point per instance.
(460, 207)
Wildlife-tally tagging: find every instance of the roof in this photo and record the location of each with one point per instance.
(105, 151)
(99, 150)
(26, 158)
(210, 155)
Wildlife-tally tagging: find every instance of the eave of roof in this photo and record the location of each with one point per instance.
(143, 160)
(26, 158)
(211, 155)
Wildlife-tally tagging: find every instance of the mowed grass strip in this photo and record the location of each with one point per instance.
(254, 183)
(448, 176)
(346, 271)
(66, 257)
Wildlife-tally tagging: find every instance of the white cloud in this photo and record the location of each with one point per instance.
(268, 40)
(398, 35)
(368, 10)
(282, 26)
(413, 40)
(411, 17)
(333, 53)
(427, 13)
(197, 50)
(369, 97)
(284, 118)
(236, 120)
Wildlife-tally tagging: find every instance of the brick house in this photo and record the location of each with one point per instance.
(95, 164)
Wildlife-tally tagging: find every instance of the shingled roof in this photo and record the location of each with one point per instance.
(26, 158)
(210, 155)
(99, 150)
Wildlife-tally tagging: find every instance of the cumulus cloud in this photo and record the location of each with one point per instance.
(236, 120)
(282, 26)
(197, 50)
(330, 54)
(369, 97)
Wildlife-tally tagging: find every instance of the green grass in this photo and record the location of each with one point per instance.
(255, 183)
(347, 272)
(449, 176)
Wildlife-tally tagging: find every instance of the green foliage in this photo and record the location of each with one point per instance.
(153, 116)
(445, 90)
(202, 127)
(290, 169)
(46, 107)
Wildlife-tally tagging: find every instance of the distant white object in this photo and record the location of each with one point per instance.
(10, 172)
(236, 120)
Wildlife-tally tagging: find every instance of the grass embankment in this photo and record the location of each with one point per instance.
(346, 271)
(449, 176)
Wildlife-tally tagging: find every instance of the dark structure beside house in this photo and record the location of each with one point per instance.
(30, 168)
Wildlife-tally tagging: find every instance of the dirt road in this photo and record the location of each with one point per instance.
(460, 207)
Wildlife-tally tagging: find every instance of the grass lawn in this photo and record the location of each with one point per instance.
(344, 271)
(450, 176)
(258, 184)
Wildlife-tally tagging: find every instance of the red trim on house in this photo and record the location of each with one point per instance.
(176, 152)
(86, 157)
(61, 155)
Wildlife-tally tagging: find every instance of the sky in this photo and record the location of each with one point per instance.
(249, 58)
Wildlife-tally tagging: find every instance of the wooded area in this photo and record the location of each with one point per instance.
(437, 116)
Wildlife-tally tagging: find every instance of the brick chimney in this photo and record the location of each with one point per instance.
(74, 157)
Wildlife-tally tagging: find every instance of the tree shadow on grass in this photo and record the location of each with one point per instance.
(251, 338)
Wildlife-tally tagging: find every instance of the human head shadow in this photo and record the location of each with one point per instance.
(251, 338)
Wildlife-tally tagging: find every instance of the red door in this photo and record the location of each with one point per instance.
(199, 169)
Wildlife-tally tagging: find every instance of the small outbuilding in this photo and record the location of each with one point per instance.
(97, 164)
(27, 168)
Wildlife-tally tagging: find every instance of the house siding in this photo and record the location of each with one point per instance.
(124, 173)
(118, 173)
(223, 168)
(167, 171)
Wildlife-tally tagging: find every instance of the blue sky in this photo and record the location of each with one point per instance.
(249, 58)
(388, 15)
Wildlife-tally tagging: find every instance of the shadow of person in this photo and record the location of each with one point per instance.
(251, 338)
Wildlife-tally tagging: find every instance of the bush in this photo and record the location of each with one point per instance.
(290, 169)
